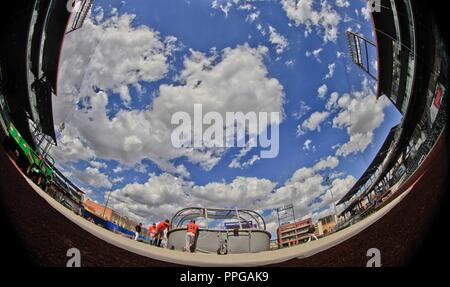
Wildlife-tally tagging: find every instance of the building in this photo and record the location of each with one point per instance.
(292, 234)
(109, 214)
(65, 192)
(274, 244)
(318, 229)
(327, 225)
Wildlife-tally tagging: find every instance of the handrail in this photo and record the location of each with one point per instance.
(192, 212)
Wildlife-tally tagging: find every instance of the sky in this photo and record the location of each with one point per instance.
(134, 64)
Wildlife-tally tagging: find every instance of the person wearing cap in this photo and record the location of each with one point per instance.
(163, 225)
(192, 229)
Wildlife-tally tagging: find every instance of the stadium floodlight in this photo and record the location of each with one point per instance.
(359, 51)
(83, 7)
(328, 181)
(286, 214)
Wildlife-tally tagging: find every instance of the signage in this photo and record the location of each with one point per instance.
(437, 101)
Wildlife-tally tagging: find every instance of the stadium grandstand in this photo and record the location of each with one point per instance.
(413, 76)
(67, 193)
(29, 83)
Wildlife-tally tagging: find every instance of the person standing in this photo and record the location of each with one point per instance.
(192, 229)
(312, 235)
(137, 231)
(152, 232)
(160, 228)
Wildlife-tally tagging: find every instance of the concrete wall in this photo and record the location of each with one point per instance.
(208, 241)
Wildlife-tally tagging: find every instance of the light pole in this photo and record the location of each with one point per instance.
(328, 181)
(106, 204)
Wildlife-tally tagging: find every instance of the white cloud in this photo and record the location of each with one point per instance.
(241, 192)
(236, 162)
(322, 91)
(97, 164)
(290, 63)
(315, 54)
(357, 143)
(303, 13)
(332, 101)
(304, 108)
(342, 3)
(162, 195)
(246, 7)
(224, 7)
(251, 161)
(118, 169)
(303, 188)
(117, 55)
(313, 122)
(366, 13)
(360, 114)
(308, 145)
(71, 147)
(227, 5)
(118, 179)
(330, 162)
(261, 29)
(278, 40)
(253, 16)
(93, 177)
(331, 69)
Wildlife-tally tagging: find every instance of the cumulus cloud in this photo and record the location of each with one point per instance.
(357, 143)
(325, 18)
(313, 122)
(360, 113)
(114, 56)
(162, 195)
(93, 177)
(159, 197)
(330, 162)
(243, 192)
(117, 55)
(304, 188)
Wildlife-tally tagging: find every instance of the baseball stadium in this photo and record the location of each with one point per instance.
(390, 204)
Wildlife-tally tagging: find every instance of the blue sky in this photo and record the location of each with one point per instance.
(178, 29)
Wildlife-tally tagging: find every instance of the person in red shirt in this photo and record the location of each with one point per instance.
(152, 232)
(163, 225)
(192, 229)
